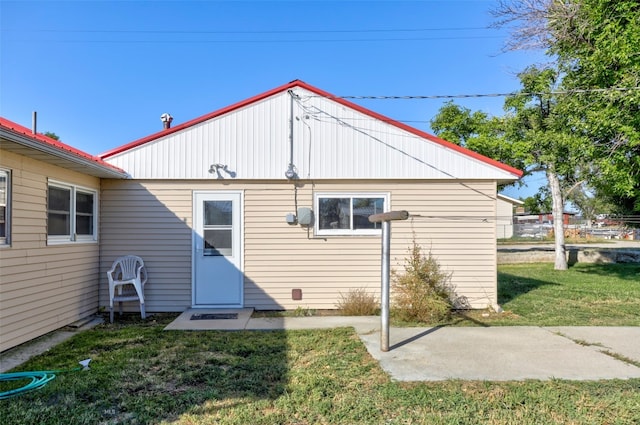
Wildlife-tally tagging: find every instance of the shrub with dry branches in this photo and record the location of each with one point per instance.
(423, 293)
(358, 302)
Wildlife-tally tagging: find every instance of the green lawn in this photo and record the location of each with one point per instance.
(584, 295)
(143, 375)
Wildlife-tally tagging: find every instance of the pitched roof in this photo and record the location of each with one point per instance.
(510, 200)
(17, 138)
(346, 103)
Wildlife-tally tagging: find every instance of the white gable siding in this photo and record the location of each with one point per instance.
(330, 141)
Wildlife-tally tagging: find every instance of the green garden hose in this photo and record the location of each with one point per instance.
(38, 379)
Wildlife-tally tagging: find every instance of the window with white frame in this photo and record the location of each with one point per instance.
(348, 213)
(71, 213)
(5, 205)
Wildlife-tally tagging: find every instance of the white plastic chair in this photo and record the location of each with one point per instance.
(127, 277)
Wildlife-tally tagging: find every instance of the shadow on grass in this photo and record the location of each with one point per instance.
(624, 271)
(142, 374)
(512, 286)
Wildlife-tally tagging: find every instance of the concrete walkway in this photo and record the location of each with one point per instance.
(509, 353)
(473, 353)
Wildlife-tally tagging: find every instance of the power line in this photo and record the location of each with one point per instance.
(347, 31)
(256, 41)
(464, 96)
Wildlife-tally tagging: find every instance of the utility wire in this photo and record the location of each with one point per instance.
(301, 40)
(463, 96)
(348, 31)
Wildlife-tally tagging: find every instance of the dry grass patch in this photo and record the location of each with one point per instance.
(358, 302)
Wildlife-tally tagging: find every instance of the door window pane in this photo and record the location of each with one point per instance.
(218, 228)
(218, 242)
(218, 213)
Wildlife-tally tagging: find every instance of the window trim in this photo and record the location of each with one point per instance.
(348, 232)
(6, 239)
(73, 237)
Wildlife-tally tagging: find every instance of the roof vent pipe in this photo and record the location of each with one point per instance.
(166, 120)
(34, 122)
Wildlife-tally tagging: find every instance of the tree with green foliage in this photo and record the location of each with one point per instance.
(577, 120)
(533, 135)
(539, 203)
(589, 205)
(595, 45)
(51, 135)
(600, 52)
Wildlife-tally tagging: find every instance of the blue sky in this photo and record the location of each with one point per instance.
(100, 73)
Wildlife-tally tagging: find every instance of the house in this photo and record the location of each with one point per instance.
(49, 246)
(504, 221)
(261, 204)
(264, 204)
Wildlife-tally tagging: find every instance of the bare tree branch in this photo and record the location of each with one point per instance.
(539, 24)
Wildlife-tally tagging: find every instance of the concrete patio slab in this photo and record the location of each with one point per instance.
(184, 322)
(501, 354)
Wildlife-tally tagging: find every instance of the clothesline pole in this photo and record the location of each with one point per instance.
(385, 219)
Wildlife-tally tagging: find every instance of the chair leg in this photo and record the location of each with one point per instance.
(111, 314)
(142, 312)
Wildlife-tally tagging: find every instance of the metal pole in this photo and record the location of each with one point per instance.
(385, 219)
(384, 292)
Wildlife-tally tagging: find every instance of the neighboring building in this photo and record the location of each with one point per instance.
(538, 225)
(212, 203)
(49, 242)
(548, 218)
(504, 221)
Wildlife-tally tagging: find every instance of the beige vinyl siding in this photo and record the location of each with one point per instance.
(152, 220)
(455, 220)
(457, 224)
(42, 288)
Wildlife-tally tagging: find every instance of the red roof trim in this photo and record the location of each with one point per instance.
(301, 84)
(44, 140)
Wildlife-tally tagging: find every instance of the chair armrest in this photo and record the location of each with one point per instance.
(110, 273)
(141, 273)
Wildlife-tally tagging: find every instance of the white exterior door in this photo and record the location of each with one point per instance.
(217, 249)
